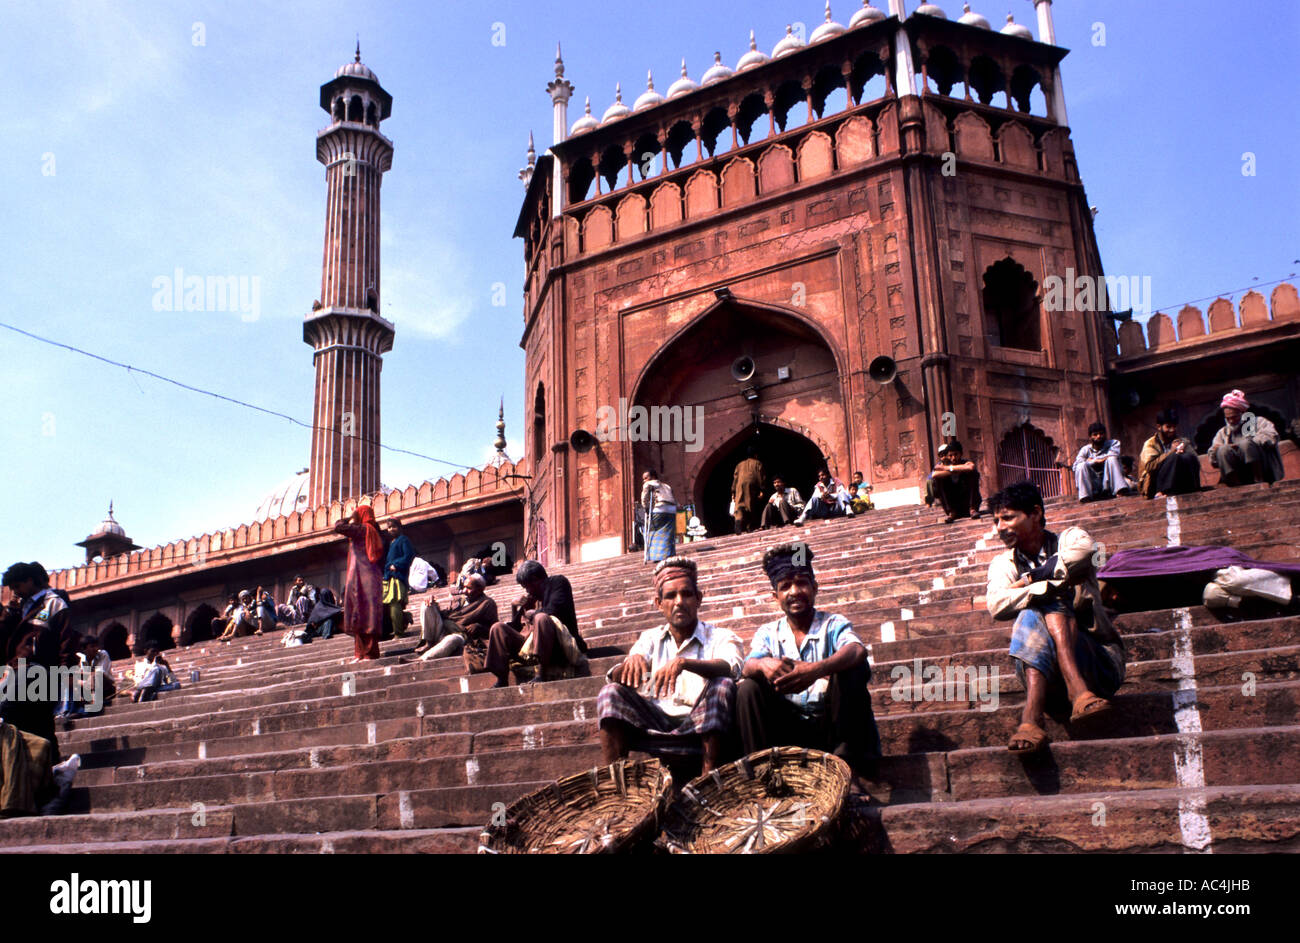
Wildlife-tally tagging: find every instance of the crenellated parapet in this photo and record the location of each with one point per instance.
(312, 525)
(1192, 327)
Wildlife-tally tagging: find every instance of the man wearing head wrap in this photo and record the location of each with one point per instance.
(363, 607)
(805, 682)
(1245, 449)
(1168, 464)
(674, 693)
(1065, 650)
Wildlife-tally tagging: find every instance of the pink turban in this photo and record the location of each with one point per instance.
(1236, 399)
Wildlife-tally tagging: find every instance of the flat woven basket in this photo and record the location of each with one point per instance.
(778, 801)
(600, 811)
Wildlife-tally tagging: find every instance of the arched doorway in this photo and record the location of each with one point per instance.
(782, 451)
(1026, 454)
(790, 386)
(198, 624)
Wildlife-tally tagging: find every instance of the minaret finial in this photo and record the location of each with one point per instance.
(358, 58)
(500, 443)
(649, 79)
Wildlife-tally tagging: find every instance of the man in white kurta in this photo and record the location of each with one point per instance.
(675, 692)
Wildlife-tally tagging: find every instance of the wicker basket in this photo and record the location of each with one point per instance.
(777, 801)
(600, 811)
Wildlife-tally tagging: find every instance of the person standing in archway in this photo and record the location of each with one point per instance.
(747, 492)
(660, 506)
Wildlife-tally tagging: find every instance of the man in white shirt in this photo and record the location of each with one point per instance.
(674, 694)
(785, 505)
(829, 499)
(1098, 472)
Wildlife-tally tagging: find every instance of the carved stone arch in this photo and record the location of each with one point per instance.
(1016, 145)
(936, 128)
(630, 219)
(974, 140)
(597, 228)
(816, 156)
(854, 141)
(775, 169)
(665, 205)
(738, 183)
(701, 194)
(887, 127)
(1053, 145)
(1013, 316)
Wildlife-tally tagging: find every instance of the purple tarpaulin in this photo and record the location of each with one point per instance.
(1178, 561)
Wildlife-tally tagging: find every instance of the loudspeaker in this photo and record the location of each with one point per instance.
(882, 370)
(742, 369)
(582, 441)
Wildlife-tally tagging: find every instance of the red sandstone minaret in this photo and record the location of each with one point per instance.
(344, 327)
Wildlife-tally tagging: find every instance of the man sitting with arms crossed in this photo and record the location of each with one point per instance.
(1066, 652)
(805, 683)
(690, 670)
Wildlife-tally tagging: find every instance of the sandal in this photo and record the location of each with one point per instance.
(1088, 705)
(1032, 734)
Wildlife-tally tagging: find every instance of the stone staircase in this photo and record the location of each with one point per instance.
(268, 753)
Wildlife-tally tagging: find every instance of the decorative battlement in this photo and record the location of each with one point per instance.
(263, 537)
(1250, 316)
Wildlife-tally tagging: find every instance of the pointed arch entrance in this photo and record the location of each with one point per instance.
(792, 394)
(784, 452)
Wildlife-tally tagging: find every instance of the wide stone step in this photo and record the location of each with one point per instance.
(1246, 818)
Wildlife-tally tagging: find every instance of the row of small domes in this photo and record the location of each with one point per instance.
(788, 44)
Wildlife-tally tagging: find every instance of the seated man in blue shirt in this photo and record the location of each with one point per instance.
(805, 682)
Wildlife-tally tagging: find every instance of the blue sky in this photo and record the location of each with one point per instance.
(166, 154)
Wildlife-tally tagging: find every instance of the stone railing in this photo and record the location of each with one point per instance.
(1250, 315)
(261, 536)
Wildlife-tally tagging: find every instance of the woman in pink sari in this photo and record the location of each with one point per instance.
(363, 610)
